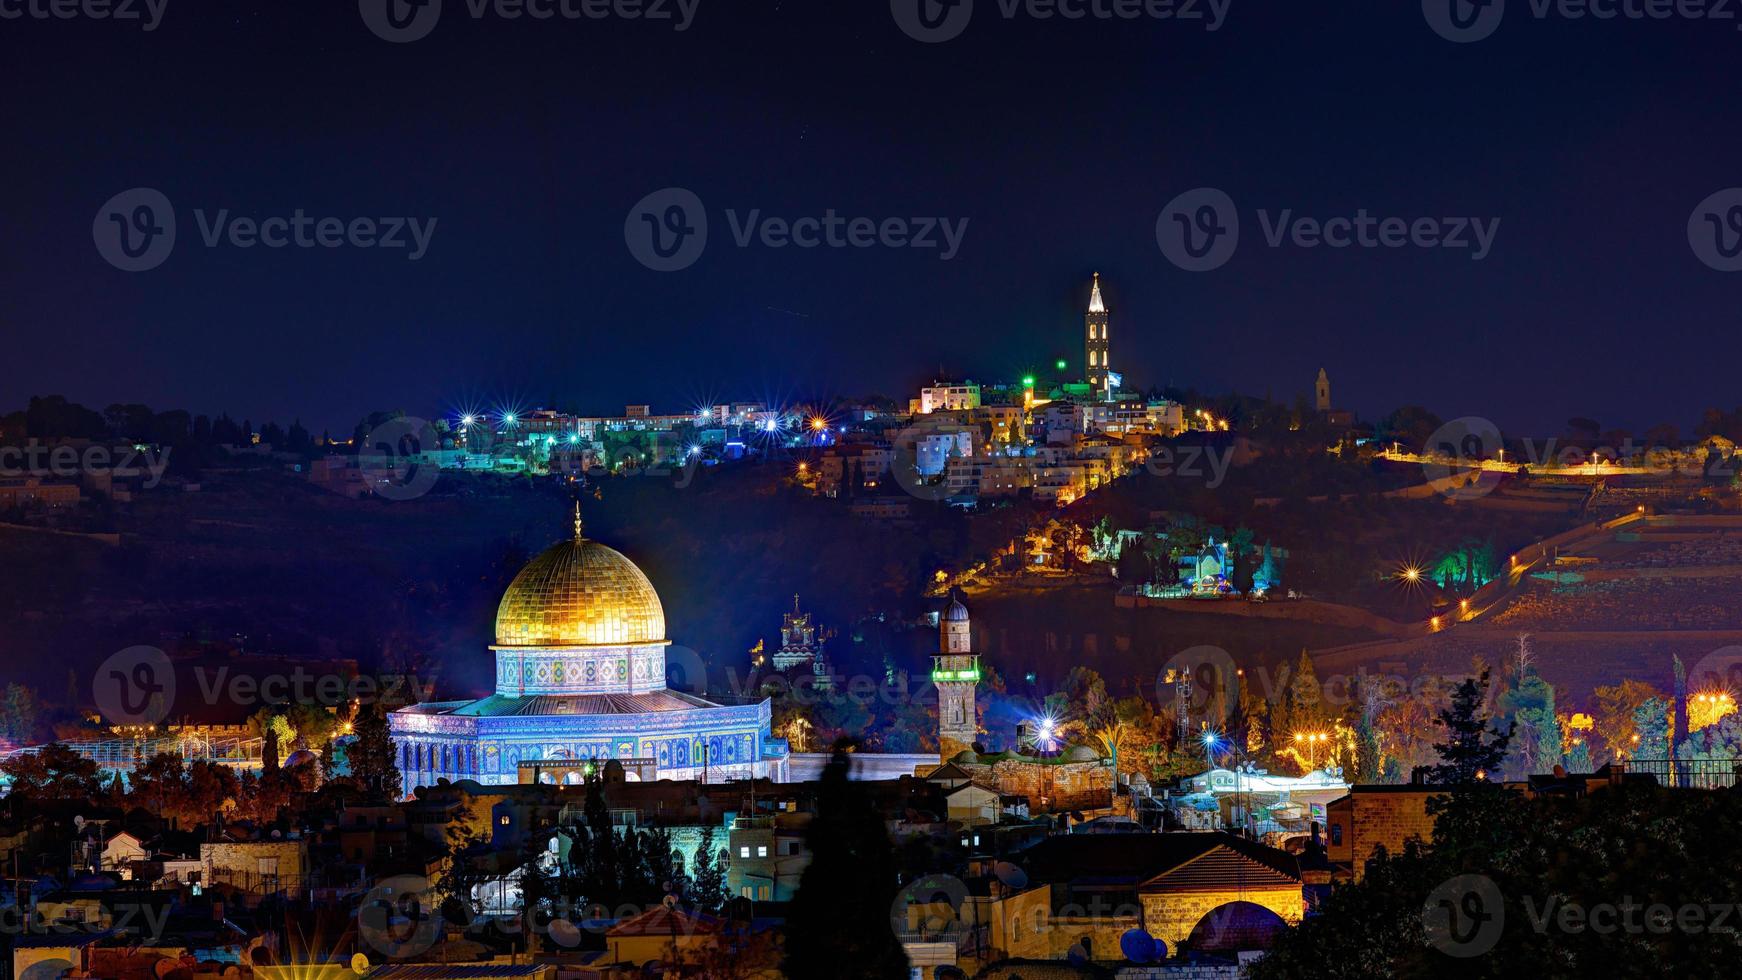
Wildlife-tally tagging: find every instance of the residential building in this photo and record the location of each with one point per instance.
(945, 396)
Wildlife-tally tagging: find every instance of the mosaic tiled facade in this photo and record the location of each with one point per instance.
(581, 674)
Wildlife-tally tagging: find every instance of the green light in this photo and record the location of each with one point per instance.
(1028, 382)
(1061, 364)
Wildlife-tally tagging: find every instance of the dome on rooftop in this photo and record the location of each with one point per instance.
(580, 593)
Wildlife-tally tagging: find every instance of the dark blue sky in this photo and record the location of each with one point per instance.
(1060, 142)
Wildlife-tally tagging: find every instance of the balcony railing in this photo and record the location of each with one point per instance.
(1689, 773)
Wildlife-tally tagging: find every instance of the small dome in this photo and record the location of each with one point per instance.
(579, 593)
(956, 613)
(1082, 753)
(298, 758)
(967, 756)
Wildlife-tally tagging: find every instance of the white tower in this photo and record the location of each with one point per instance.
(1322, 392)
(1095, 338)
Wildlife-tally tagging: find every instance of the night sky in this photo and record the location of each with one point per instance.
(1060, 142)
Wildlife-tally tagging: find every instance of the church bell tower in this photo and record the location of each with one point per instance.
(955, 672)
(1095, 338)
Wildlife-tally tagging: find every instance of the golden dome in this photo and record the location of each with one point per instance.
(579, 593)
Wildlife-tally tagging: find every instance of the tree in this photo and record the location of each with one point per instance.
(1530, 703)
(18, 714)
(1651, 726)
(1579, 756)
(1369, 760)
(1299, 710)
(839, 923)
(373, 757)
(708, 880)
(1528, 855)
(53, 772)
(1472, 751)
(1615, 707)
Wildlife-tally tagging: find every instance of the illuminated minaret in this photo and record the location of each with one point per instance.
(955, 671)
(1095, 341)
(1322, 392)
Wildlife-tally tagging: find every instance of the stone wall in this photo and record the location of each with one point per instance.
(1170, 916)
(1049, 786)
(1387, 819)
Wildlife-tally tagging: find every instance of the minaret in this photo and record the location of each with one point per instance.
(1322, 392)
(955, 672)
(1095, 340)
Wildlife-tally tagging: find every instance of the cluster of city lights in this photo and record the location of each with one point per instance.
(1210, 422)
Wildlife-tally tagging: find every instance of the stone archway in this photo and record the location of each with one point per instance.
(1235, 927)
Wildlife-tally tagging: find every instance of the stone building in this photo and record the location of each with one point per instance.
(956, 672)
(1375, 816)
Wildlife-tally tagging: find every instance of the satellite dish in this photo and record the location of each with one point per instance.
(359, 964)
(565, 933)
(670, 901)
(1138, 946)
(1009, 875)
